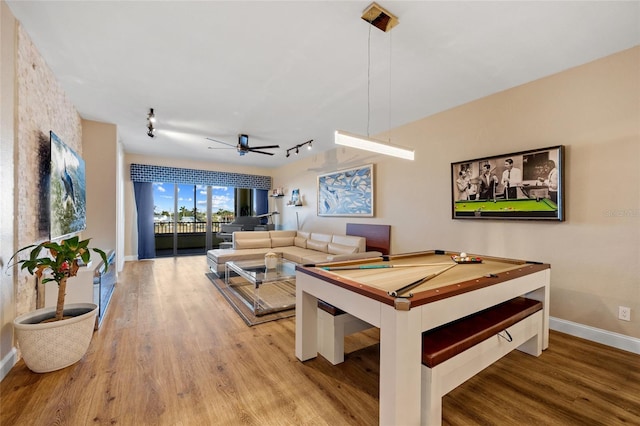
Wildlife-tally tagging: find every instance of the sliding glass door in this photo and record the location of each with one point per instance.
(187, 217)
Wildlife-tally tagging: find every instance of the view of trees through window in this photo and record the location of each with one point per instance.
(180, 216)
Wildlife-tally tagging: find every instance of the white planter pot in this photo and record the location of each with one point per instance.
(58, 344)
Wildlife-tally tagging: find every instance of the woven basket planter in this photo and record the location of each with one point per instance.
(54, 345)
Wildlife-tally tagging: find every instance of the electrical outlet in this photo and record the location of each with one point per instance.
(624, 313)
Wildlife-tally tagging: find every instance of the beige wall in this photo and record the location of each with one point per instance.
(595, 254)
(100, 151)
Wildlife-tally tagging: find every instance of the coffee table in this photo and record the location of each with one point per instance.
(263, 290)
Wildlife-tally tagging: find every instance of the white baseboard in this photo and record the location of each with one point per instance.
(132, 258)
(609, 338)
(8, 362)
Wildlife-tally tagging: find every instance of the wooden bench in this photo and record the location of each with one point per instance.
(333, 325)
(455, 352)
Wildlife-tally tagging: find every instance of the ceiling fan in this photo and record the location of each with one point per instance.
(243, 146)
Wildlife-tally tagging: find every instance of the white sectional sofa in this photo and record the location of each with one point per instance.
(296, 246)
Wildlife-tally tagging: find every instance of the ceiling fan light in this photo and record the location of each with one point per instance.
(368, 144)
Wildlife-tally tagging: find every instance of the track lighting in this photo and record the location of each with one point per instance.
(151, 118)
(296, 148)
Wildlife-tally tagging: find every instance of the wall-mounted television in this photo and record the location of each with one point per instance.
(67, 190)
(519, 185)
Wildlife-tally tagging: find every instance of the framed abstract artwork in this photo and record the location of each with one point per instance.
(519, 185)
(346, 192)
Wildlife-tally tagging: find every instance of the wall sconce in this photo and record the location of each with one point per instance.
(151, 118)
(297, 147)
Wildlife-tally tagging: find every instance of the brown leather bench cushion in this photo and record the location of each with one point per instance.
(329, 308)
(448, 340)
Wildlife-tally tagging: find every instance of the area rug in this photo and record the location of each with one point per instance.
(242, 309)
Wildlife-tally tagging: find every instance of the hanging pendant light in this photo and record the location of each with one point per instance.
(383, 20)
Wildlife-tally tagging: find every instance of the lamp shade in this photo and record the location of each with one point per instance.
(368, 144)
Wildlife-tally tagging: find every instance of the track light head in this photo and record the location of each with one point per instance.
(150, 130)
(151, 118)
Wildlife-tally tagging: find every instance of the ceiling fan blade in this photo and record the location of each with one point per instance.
(261, 152)
(263, 147)
(211, 147)
(224, 143)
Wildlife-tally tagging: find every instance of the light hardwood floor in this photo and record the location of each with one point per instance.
(171, 351)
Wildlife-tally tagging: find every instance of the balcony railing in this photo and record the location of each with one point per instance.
(185, 227)
(191, 237)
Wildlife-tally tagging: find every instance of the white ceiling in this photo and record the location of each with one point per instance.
(287, 72)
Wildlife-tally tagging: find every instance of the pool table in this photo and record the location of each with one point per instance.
(364, 289)
(516, 208)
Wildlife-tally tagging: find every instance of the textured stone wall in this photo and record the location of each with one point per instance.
(42, 106)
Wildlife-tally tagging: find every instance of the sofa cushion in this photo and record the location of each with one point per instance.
(317, 245)
(281, 234)
(296, 254)
(335, 248)
(350, 240)
(304, 234)
(314, 258)
(300, 242)
(243, 243)
(354, 256)
(321, 237)
(220, 256)
(251, 235)
(281, 241)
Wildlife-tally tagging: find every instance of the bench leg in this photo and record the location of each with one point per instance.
(331, 332)
(534, 345)
(330, 337)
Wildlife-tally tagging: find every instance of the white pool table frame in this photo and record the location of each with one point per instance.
(401, 330)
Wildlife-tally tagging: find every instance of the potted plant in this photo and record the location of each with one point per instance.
(54, 338)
